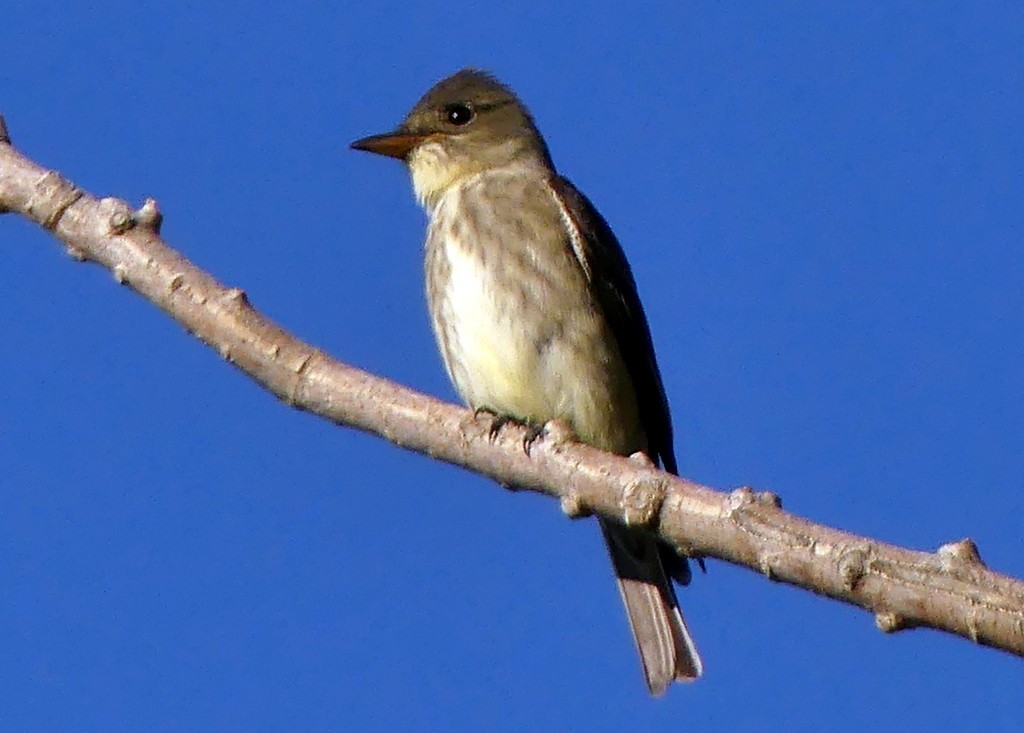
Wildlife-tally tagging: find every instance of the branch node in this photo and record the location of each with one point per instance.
(303, 364)
(176, 281)
(642, 500)
(853, 566)
(238, 296)
(292, 398)
(122, 219)
(643, 459)
(52, 195)
(149, 215)
(558, 432)
(769, 498)
(741, 497)
(78, 255)
(890, 622)
(573, 506)
(972, 629)
(120, 275)
(960, 553)
(764, 564)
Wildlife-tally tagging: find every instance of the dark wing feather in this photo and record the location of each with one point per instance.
(666, 647)
(615, 290)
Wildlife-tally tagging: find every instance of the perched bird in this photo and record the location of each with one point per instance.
(537, 316)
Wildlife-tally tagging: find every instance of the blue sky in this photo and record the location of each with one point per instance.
(824, 209)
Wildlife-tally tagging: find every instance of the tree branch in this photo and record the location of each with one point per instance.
(951, 589)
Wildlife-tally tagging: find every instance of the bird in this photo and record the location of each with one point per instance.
(537, 316)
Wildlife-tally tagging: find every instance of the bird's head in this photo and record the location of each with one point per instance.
(464, 125)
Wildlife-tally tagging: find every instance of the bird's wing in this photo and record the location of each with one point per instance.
(611, 281)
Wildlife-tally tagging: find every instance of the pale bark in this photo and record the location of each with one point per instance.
(950, 589)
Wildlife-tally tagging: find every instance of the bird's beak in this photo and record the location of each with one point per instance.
(396, 144)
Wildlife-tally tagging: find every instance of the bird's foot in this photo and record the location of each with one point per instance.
(498, 421)
(534, 431)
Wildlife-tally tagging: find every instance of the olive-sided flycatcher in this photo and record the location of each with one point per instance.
(537, 315)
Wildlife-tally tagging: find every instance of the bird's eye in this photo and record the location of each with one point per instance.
(458, 114)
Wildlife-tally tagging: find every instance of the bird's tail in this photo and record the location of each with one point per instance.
(666, 648)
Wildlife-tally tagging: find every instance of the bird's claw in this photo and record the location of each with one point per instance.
(534, 431)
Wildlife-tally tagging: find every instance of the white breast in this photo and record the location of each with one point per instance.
(491, 358)
(514, 319)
